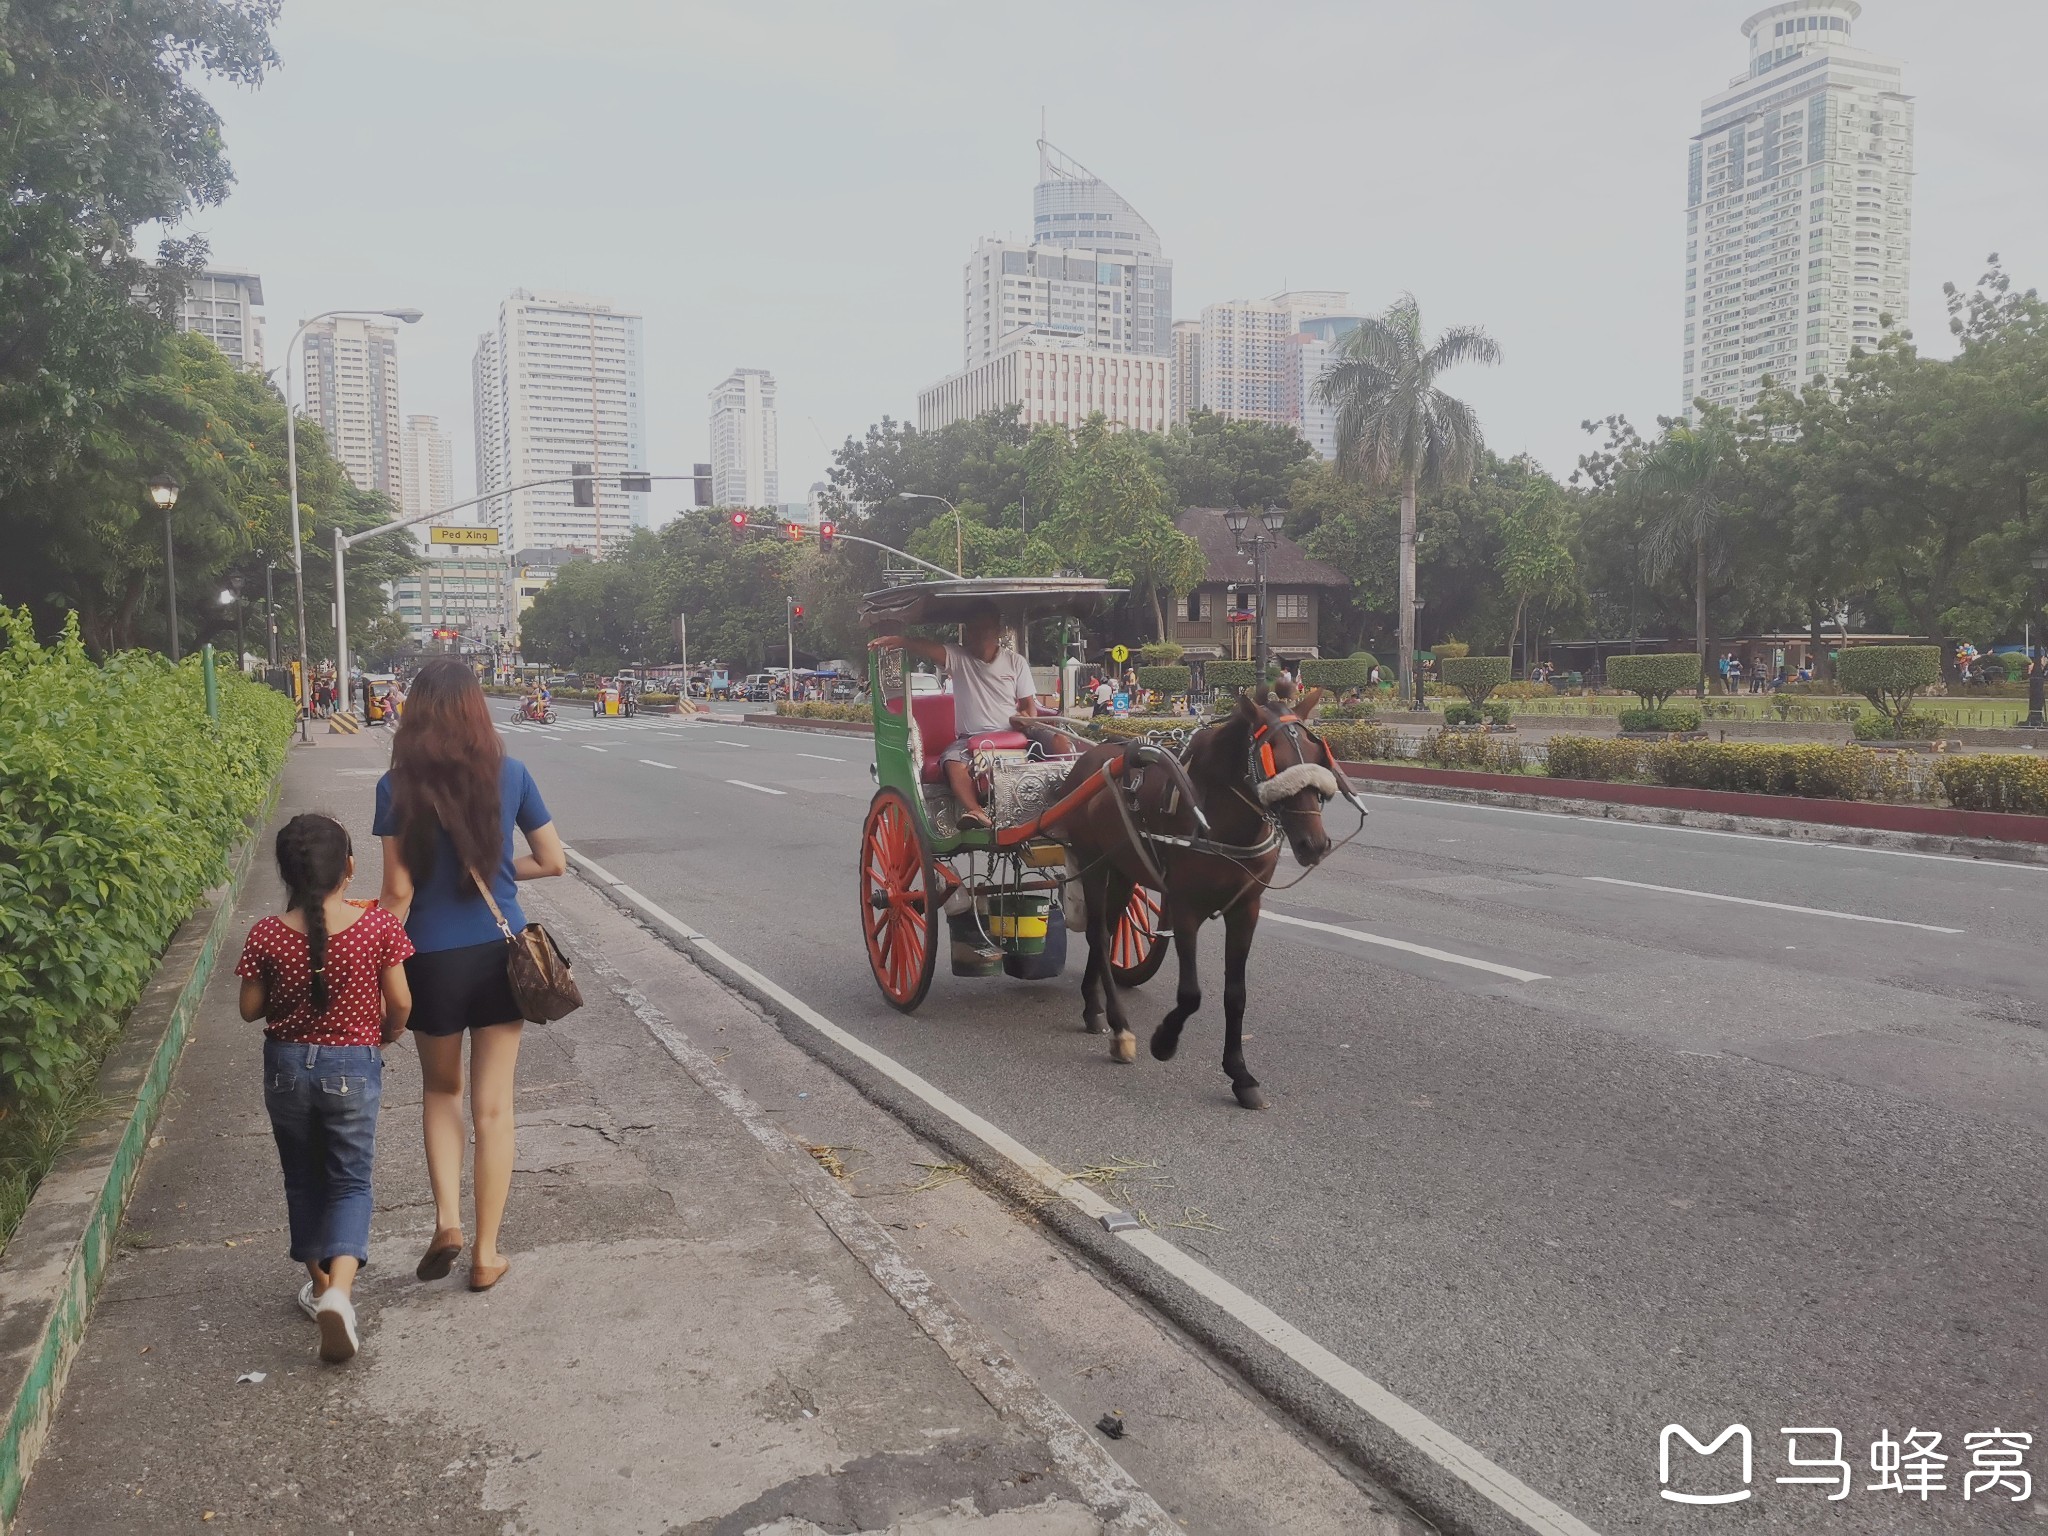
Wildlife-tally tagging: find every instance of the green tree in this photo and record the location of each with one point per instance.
(1536, 559)
(1684, 484)
(1396, 428)
(1211, 461)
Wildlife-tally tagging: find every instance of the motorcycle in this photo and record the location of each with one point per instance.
(537, 714)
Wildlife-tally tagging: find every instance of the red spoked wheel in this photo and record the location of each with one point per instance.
(1138, 947)
(899, 901)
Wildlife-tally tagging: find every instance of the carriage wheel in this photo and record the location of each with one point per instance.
(899, 901)
(1138, 947)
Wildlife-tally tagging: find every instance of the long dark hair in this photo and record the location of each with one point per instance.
(445, 768)
(312, 859)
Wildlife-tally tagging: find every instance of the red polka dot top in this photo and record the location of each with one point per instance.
(357, 958)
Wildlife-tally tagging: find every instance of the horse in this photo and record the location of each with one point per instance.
(1260, 777)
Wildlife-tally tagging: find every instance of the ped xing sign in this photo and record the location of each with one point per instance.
(464, 536)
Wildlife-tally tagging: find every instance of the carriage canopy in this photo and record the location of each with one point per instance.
(1015, 597)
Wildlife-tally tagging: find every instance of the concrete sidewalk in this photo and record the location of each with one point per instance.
(701, 1332)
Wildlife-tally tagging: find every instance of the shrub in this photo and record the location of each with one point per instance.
(823, 709)
(1666, 719)
(1110, 728)
(119, 805)
(1525, 691)
(1475, 676)
(1461, 714)
(1364, 709)
(1821, 772)
(1231, 674)
(1164, 679)
(1450, 650)
(1904, 728)
(1498, 712)
(1654, 678)
(1460, 749)
(1889, 675)
(2015, 664)
(1605, 758)
(658, 698)
(1358, 741)
(1160, 653)
(1995, 782)
(1337, 673)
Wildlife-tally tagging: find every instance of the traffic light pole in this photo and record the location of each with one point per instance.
(789, 672)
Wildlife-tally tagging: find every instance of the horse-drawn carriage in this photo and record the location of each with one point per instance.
(1139, 840)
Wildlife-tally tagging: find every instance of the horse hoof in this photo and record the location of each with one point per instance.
(1164, 1045)
(1092, 1026)
(1249, 1096)
(1124, 1048)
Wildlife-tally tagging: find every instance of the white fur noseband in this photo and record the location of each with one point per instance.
(1289, 782)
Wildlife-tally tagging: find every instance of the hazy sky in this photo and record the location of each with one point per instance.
(797, 186)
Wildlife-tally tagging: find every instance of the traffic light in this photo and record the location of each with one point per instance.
(796, 610)
(826, 530)
(739, 520)
(796, 533)
(584, 488)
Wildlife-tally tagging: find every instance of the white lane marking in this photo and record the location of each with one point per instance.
(671, 767)
(1659, 826)
(1775, 906)
(1493, 1483)
(589, 748)
(761, 788)
(742, 745)
(819, 757)
(1513, 973)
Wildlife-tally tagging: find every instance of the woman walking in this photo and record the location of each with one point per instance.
(446, 812)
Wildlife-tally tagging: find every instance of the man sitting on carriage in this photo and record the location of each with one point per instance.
(992, 691)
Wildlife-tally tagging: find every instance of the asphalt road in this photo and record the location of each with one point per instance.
(1764, 1143)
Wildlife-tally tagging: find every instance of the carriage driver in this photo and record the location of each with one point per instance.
(992, 691)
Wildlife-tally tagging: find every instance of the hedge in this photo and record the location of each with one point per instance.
(1339, 672)
(1357, 741)
(1471, 749)
(1902, 728)
(1231, 674)
(824, 709)
(1160, 653)
(1603, 759)
(1888, 675)
(1994, 782)
(1665, 719)
(119, 805)
(1655, 677)
(1164, 679)
(1475, 676)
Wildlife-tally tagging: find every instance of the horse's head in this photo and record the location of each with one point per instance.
(1291, 772)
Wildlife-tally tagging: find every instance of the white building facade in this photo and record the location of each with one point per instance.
(428, 468)
(744, 448)
(223, 307)
(1056, 381)
(1261, 359)
(1799, 207)
(351, 376)
(1187, 368)
(558, 382)
(458, 588)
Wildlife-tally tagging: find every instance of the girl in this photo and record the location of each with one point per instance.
(447, 811)
(329, 977)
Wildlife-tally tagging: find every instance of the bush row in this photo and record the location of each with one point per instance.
(823, 709)
(1994, 781)
(119, 804)
(1761, 768)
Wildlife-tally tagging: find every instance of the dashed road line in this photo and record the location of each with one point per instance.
(1494, 967)
(1775, 906)
(758, 788)
(671, 767)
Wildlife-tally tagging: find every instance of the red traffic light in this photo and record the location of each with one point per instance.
(739, 521)
(825, 532)
(796, 533)
(796, 610)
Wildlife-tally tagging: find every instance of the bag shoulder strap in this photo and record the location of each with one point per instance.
(485, 891)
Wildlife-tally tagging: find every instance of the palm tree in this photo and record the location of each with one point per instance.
(1686, 480)
(1395, 427)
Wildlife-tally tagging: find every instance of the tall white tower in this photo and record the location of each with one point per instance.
(1799, 207)
(352, 391)
(429, 469)
(743, 446)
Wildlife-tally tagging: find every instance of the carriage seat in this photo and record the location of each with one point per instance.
(936, 731)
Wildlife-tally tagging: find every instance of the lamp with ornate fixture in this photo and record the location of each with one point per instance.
(163, 491)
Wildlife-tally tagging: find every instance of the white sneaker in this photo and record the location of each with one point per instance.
(336, 1315)
(306, 1304)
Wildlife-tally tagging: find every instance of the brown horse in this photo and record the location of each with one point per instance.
(1260, 778)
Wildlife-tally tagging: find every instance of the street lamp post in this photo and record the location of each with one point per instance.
(232, 593)
(163, 490)
(959, 528)
(1271, 521)
(291, 457)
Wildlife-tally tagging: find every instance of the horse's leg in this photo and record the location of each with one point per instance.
(1092, 888)
(1239, 923)
(1123, 1046)
(1187, 925)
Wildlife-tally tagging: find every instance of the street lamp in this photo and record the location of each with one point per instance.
(1271, 521)
(232, 593)
(163, 490)
(959, 528)
(291, 455)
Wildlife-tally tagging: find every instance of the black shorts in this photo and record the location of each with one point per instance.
(458, 989)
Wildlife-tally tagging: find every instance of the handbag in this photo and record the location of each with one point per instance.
(543, 984)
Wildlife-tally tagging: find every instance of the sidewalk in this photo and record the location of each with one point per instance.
(696, 1335)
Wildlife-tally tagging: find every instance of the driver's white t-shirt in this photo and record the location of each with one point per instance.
(986, 693)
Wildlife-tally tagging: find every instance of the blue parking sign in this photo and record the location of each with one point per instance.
(1120, 703)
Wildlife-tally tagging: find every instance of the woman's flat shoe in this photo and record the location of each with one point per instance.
(440, 1254)
(481, 1279)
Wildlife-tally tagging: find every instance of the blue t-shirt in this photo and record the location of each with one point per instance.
(447, 912)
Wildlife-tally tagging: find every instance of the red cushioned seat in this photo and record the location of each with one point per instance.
(937, 731)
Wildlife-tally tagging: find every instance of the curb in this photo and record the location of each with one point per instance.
(51, 1272)
(820, 727)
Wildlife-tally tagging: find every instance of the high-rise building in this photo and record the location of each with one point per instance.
(1261, 359)
(743, 446)
(429, 469)
(1187, 368)
(558, 382)
(222, 307)
(1799, 207)
(351, 370)
(1092, 282)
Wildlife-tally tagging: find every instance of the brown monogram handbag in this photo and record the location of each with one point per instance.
(542, 982)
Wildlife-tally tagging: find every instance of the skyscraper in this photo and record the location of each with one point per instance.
(1187, 368)
(351, 368)
(222, 306)
(1261, 359)
(558, 382)
(1799, 206)
(429, 471)
(743, 446)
